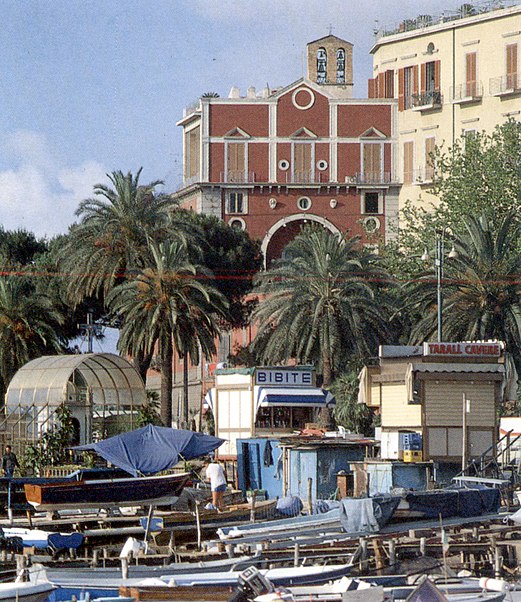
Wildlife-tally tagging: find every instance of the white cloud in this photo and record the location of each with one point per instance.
(41, 193)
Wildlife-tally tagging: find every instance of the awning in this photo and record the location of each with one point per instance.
(453, 367)
(208, 400)
(293, 397)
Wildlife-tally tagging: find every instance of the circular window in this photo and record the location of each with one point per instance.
(303, 98)
(283, 164)
(322, 164)
(304, 203)
(238, 223)
(371, 224)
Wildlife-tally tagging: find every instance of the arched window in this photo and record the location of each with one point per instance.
(321, 66)
(340, 66)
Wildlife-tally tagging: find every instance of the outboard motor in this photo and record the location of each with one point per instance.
(252, 584)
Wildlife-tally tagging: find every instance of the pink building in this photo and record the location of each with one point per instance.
(309, 152)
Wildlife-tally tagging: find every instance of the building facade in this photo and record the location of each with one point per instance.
(270, 162)
(264, 402)
(452, 76)
(447, 393)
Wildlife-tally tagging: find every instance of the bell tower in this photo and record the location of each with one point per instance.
(330, 62)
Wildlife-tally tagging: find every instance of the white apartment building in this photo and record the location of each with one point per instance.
(452, 75)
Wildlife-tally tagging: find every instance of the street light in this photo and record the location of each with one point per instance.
(438, 263)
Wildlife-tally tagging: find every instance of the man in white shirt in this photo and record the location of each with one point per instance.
(215, 474)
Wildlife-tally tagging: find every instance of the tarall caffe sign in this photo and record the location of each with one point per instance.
(462, 349)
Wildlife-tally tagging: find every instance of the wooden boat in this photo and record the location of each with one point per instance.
(25, 591)
(106, 493)
(180, 520)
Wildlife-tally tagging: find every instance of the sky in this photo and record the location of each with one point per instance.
(93, 86)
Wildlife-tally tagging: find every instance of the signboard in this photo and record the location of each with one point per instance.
(283, 376)
(484, 350)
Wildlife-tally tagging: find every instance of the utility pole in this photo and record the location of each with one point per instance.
(90, 330)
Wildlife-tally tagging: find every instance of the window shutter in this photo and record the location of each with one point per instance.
(415, 79)
(389, 83)
(381, 85)
(470, 74)
(512, 67)
(371, 88)
(401, 90)
(423, 78)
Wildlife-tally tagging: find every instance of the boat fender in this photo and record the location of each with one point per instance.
(494, 585)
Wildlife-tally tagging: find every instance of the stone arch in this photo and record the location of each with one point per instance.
(293, 220)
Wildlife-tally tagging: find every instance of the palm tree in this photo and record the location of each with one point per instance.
(481, 289)
(171, 303)
(111, 238)
(322, 302)
(28, 325)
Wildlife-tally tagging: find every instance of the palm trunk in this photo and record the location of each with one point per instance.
(325, 419)
(326, 370)
(185, 390)
(142, 361)
(167, 356)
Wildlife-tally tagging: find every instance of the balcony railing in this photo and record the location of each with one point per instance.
(306, 176)
(426, 100)
(237, 176)
(505, 84)
(423, 174)
(467, 92)
(373, 178)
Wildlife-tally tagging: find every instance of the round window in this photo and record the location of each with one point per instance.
(303, 98)
(237, 223)
(304, 203)
(322, 164)
(283, 164)
(371, 224)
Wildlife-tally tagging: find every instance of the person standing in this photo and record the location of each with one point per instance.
(9, 462)
(215, 474)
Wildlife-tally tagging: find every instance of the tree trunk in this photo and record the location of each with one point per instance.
(326, 371)
(142, 362)
(167, 356)
(185, 390)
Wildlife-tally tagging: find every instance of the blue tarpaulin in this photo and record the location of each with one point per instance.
(151, 449)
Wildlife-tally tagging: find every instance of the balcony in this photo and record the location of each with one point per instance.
(306, 176)
(237, 176)
(423, 175)
(505, 85)
(426, 101)
(467, 93)
(370, 178)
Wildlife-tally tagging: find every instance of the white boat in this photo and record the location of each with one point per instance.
(43, 540)
(25, 592)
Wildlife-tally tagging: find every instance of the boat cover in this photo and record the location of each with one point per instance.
(455, 501)
(150, 449)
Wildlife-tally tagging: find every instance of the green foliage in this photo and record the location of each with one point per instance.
(479, 175)
(149, 412)
(51, 449)
(356, 417)
(325, 302)
(171, 302)
(28, 323)
(231, 256)
(20, 247)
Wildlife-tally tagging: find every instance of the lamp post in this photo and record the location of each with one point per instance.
(438, 264)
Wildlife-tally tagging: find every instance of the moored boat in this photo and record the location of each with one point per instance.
(25, 591)
(107, 493)
(37, 538)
